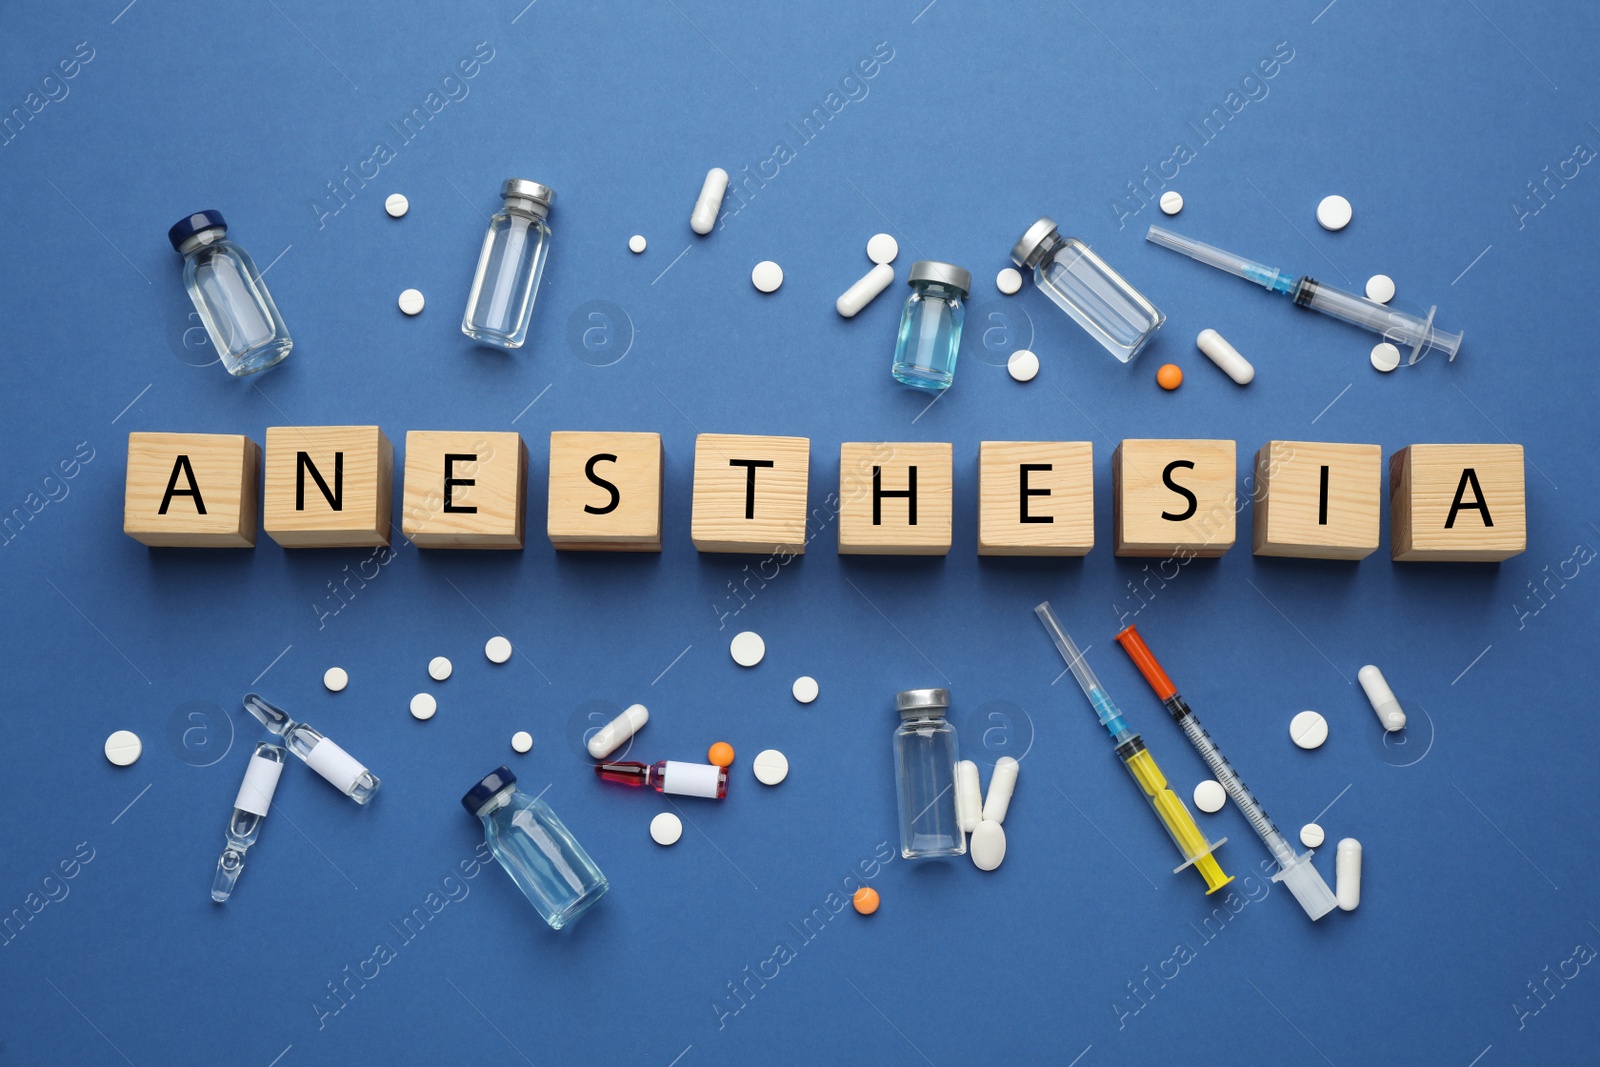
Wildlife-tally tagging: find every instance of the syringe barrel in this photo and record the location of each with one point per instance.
(1399, 328)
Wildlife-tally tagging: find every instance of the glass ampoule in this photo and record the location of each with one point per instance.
(1080, 283)
(500, 305)
(249, 809)
(670, 776)
(340, 768)
(930, 326)
(235, 307)
(925, 758)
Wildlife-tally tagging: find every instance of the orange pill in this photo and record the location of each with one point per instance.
(1170, 376)
(866, 900)
(721, 754)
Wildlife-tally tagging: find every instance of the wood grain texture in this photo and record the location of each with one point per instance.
(498, 493)
(1064, 494)
(1292, 516)
(1141, 496)
(357, 465)
(894, 534)
(727, 517)
(631, 521)
(226, 471)
(1425, 482)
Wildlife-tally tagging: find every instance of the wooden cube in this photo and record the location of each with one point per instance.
(1173, 497)
(894, 498)
(1317, 500)
(750, 493)
(605, 492)
(192, 490)
(465, 489)
(1035, 498)
(328, 486)
(1457, 502)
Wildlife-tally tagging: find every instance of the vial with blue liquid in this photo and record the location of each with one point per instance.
(506, 283)
(930, 327)
(228, 292)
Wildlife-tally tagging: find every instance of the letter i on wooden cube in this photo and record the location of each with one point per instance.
(1317, 500)
(465, 490)
(192, 490)
(750, 493)
(328, 486)
(605, 492)
(1465, 503)
(1173, 496)
(1035, 498)
(894, 499)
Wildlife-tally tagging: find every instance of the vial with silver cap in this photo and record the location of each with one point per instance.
(500, 305)
(925, 758)
(234, 306)
(930, 327)
(1081, 284)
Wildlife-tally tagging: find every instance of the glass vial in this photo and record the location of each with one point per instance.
(234, 305)
(500, 305)
(1112, 311)
(670, 776)
(342, 770)
(925, 758)
(930, 327)
(536, 849)
(249, 809)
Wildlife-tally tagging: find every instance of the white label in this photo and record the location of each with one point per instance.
(260, 782)
(690, 779)
(335, 764)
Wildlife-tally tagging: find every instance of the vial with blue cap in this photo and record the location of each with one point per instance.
(930, 327)
(230, 295)
(500, 305)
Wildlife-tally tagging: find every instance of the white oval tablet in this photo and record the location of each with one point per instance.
(610, 737)
(1209, 796)
(1347, 873)
(1382, 698)
(1385, 356)
(396, 205)
(522, 741)
(709, 204)
(770, 767)
(1308, 729)
(1333, 213)
(666, 828)
(411, 302)
(767, 276)
(439, 668)
(1008, 281)
(498, 649)
(423, 706)
(1023, 365)
(1171, 202)
(123, 748)
(882, 248)
(335, 679)
(1380, 287)
(804, 689)
(1311, 835)
(864, 291)
(988, 845)
(747, 648)
(637, 243)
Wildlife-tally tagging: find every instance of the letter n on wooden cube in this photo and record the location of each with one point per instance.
(750, 493)
(1035, 498)
(328, 486)
(465, 489)
(1173, 496)
(605, 492)
(894, 499)
(192, 490)
(1317, 500)
(1457, 502)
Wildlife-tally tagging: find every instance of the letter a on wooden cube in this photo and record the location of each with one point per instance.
(1317, 500)
(894, 499)
(192, 490)
(465, 489)
(1035, 498)
(328, 486)
(750, 493)
(1457, 502)
(605, 492)
(1173, 496)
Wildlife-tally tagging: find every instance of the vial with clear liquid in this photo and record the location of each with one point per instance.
(1081, 284)
(500, 305)
(930, 326)
(670, 776)
(925, 758)
(249, 809)
(340, 768)
(228, 292)
(536, 849)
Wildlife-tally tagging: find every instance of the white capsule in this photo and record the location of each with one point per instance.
(862, 293)
(704, 218)
(969, 796)
(1381, 698)
(1001, 784)
(988, 845)
(1347, 873)
(611, 736)
(1225, 356)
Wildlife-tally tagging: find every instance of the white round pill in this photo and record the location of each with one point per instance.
(747, 648)
(335, 679)
(882, 248)
(498, 649)
(522, 741)
(1171, 202)
(767, 276)
(396, 205)
(1333, 213)
(439, 668)
(770, 767)
(1022, 365)
(1385, 356)
(988, 845)
(1209, 796)
(666, 828)
(804, 689)
(637, 243)
(411, 302)
(1308, 729)
(423, 706)
(123, 748)
(1008, 281)
(1380, 287)
(1311, 835)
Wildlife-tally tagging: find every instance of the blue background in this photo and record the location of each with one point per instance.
(1478, 822)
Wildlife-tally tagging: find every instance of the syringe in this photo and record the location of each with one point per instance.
(1169, 809)
(1397, 327)
(1295, 871)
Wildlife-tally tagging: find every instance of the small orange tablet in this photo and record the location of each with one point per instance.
(1170, 376)
(720, 754)
(865, 900)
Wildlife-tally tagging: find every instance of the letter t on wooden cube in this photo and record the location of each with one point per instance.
(750, 493)
(1465, 503)
(1317, 500)
(465, 490)
(605, 492)
(192, 490)
(328, 486)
